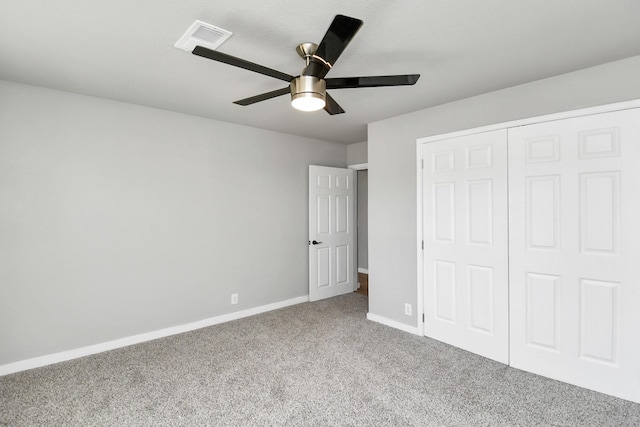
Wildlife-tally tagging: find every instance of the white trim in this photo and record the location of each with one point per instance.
(50, 359)
(538, 119)
(420, 235)
(363, 270)
(392, 323)
(356, 284)
(359, 166)
(618, 106)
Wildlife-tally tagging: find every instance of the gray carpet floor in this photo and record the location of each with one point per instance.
(316, 364)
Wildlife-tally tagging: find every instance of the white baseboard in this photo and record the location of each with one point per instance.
(50, 359)
(393, 323)
(363, 270)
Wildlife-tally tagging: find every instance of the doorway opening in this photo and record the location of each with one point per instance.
(334, 230)
(362, 223)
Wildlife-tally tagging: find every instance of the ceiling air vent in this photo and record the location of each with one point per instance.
(202, 34)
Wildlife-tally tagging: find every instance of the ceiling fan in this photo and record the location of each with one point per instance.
(309, 89)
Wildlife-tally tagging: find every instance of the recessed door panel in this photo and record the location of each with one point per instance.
(443, 211)
(323, 215)
(342, 181)
(442, 161)
(599, 212)
(543, 149)
(479, 212)
(323, 181)
(599, 320)
(479, 156)
(542, 211)
(599, 143)
(541, 310)
(480, 282)
(324, 268)
(342, 264)
(342, 214)
(445, 290)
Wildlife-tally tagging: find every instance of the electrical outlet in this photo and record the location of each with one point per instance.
(234, 298)
(407, 309)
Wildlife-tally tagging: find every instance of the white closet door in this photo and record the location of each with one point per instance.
(465, 243)
(574, 215)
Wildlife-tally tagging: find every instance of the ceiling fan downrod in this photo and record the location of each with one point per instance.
(308, 93)
(306, 51)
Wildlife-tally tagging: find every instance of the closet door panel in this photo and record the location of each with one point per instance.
(574, 210)
(465, 238)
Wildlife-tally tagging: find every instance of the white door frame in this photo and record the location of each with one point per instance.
(359, 167)
(505, 125)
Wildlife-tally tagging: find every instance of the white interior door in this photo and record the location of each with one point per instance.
(574, 191)
(332, 245)
(465, 243)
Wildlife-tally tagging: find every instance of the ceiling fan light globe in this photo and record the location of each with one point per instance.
(308, 101)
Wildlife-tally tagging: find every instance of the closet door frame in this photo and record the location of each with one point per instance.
(421, 163)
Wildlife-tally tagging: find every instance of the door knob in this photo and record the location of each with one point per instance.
(315, 242)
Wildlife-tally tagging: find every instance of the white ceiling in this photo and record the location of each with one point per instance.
(124, 50)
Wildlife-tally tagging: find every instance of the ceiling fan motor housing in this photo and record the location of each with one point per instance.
(308, 90)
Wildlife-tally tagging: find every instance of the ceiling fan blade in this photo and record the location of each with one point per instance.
(241, 63)
(338, 36)
(263, 96)
(332, 106)
(372, 81)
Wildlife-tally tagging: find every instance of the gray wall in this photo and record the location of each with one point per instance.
(117, 219)
(363, 219)
(357, 153)
(392, 164)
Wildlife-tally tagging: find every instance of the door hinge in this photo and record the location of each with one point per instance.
(423, 245)
(421, 163)
(422, 317)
